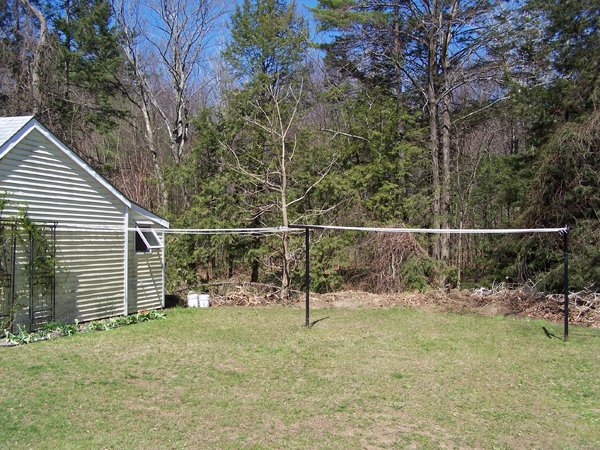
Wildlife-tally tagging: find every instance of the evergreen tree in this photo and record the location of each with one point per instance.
(437, 47)
(565, 130)
(268, 43)
(61, 62)
(368, 43)
(91, 66)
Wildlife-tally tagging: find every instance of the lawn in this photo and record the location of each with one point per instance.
(255, 378)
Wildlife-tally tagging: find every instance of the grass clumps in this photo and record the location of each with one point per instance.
(256, 378)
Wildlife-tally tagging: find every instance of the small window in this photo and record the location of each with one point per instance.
(146, 239)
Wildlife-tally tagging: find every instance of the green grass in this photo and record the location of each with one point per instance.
(255, 378)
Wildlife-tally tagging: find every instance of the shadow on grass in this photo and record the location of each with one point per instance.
(549, 334)
(314, 322)
(574, 333)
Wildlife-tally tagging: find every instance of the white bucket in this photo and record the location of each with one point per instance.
(203, 300)
(192, 300)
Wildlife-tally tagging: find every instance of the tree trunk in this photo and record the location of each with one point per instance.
(446, 124)
(432, 100)
(285, 237)
(285, 279)
(446, 179)
(255, 270)
(38, 55)
(150, 139)
(398, 65)
(180, 121)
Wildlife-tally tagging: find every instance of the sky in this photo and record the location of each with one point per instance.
(303, 7)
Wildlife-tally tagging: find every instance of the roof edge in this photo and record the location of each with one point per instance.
(16, 137)
(150, 215)
(33, 123)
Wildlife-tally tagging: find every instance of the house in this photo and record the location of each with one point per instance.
(93, 252)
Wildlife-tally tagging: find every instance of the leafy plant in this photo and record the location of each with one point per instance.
(22, 337)
(55, 329)
(23, 238)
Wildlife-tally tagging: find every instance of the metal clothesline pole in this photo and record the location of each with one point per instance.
(307, 275)
(566, 282)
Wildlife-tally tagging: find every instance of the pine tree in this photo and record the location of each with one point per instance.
(60, 61)
(268, 43)
(91, 64)
(561, 101)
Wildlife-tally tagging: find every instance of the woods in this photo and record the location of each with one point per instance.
(432, 114)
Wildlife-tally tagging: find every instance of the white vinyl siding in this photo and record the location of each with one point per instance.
(37, 175)
(145, 273)
(90, 271)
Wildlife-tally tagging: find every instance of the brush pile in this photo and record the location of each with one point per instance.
(244, 294)
(499, 299)
(525, 300)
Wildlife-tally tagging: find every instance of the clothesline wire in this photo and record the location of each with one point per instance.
(298, 227)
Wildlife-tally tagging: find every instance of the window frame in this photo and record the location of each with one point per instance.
(140, 229)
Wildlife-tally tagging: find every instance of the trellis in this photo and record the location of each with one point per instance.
(27, 253)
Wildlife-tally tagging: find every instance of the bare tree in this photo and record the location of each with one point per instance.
(31, 33)
(278, 119)
(38, 54)
(166, 42)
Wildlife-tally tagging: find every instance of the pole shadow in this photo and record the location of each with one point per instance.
(549, 334)
(314, 322)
